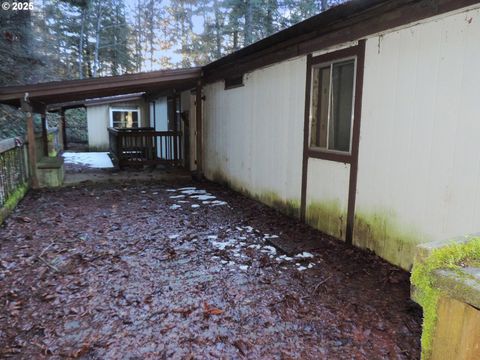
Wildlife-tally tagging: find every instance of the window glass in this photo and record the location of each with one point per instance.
(125, 119)
(331, 105)
(341, 109)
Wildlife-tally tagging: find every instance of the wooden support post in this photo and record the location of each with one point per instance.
(175, 129)
(44, 134)
(32, 155)
(198, 118)
(64, 128)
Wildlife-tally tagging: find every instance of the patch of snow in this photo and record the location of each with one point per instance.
(285, 257)
(310, 265)
(186, 188)
(203, 197)
(218, 203)
(173, 236)
(268, 236)
(269, 249)
(97, 160)
(182, 201)
(195, 206)
(212, 237)
(304, 255)
(177, 196)
(255, 246)
(301, 268)
(222, 245)
(170, 190)
(243, 267)
(248, 228)
(175, 206)
(193, 192)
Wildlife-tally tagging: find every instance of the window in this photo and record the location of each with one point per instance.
(233, 82)
(331, 109)
(124, 118)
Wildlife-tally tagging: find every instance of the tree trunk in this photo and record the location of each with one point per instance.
(97, 40)
(248, 38)
(323, 5)
(80, 45)
(218, 30)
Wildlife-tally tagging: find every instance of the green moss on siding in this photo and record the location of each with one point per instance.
(381, 233)
(290, 207)
(12, 201)
(327, 216)
(448, 257)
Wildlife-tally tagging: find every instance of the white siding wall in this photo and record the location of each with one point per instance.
(253, 135)
(419, 168)
(327, 196)
(97, 122)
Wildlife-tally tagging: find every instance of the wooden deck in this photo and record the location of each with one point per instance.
(145, 146)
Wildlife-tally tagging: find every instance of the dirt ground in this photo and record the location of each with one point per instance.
(185, 271)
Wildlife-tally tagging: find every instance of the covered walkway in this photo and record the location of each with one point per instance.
(62, 95)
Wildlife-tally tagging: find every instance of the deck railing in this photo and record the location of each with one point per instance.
(145, 146)
(14, 172)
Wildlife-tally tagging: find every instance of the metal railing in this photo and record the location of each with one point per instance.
(14, 171)
(145, 146)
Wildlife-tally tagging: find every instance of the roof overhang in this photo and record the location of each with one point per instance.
(74, 92)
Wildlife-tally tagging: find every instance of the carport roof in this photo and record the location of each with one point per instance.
(56, 92)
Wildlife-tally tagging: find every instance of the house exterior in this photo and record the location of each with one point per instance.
(368, 133)
(362, 121)
(130, 111)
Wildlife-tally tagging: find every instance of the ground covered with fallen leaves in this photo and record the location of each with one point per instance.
(186, 271)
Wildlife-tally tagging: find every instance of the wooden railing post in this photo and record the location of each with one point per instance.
(64, 128)
(198, 117)
(44, 134)
(32, 156)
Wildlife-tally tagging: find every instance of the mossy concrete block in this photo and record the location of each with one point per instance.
(424, 250)
(50, 172)
(12, 202)
(462, 285)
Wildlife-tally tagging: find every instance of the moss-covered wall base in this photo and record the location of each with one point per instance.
(384, 235)
(12, 202)
(327, 216)
(290, 207)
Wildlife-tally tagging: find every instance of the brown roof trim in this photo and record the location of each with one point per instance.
(65, 106)
(351, 21)
(73, 90)
(114, 99)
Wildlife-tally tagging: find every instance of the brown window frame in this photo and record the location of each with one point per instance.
(353, 52)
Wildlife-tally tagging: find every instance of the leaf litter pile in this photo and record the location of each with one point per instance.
(186, 271)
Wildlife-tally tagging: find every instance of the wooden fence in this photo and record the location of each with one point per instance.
(14, 172)
(145, 146)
